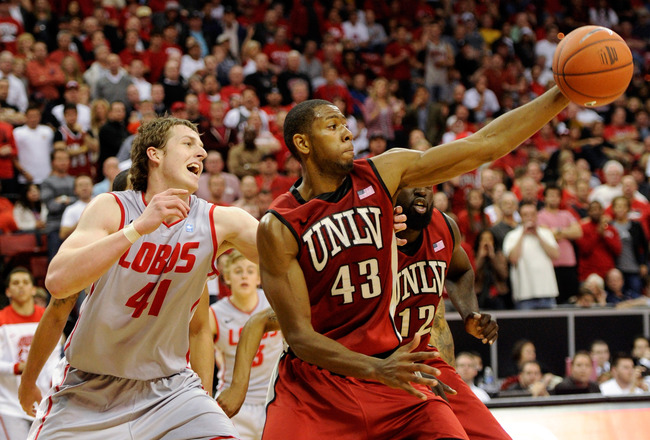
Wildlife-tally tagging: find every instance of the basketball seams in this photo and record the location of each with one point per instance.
(570, 56)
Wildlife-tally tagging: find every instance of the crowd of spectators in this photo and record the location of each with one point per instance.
(78, 77)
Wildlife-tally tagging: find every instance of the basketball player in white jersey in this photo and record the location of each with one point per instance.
(146, 255)
(229, 317)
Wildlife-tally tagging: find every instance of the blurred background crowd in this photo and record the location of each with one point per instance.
(564, 219)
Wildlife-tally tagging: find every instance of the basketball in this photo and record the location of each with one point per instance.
(592, 66)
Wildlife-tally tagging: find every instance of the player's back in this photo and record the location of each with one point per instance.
(345, 240)
(134, 321)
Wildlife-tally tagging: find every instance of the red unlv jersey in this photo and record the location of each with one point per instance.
(421, 279)
(345, 241)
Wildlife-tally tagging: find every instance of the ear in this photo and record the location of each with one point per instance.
(154, 154)
(301, 141)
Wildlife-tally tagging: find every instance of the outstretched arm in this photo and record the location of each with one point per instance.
(284, 285)
(402, 168)
(47, 336)
(232, 398)
(201, 348)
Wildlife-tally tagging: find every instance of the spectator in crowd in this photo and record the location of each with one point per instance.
(136, 71)
(17, 94)
(110, 169)
(467, 368)
(509, 217)
(531, 249)
(30, 213)
(472, 220)
(641, 352)
(83, 151)
(269, 179)
(599, 352)
(248, 199)
(218, 137)
(291, 74)
(263, 79)
(112, 134)
(425, 115)
(310, 64)
(596, 285)
(639, 210)
(34, 144)
(18, 323)
(83, 190)
(235, 83)
(633, 259)
(399, 59)
(192, 62)
(45, 77)
(64, 43)
(605, 193)
(615, 287)
(112, 85)
(545, 47)
(566, 230)
(173, 83)
(491, 273)
(530, 381)
(71, 96)
(599, 246)
(625, 379)
(333, 88)
(237, 117)
(438, 59)
(7, 222)
(57, 191)
(98, 69)
(481, 100)
(579, 379)
(217, 188)
(213, 165)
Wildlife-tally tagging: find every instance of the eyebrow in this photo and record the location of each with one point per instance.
(193, 139)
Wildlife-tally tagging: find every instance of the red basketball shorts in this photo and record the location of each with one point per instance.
(310, 403)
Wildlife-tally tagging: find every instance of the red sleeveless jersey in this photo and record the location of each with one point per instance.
(421, 280)
(80, 162)
(344, 239)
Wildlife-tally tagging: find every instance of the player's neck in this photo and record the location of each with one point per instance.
(23, 309)
(410, 235)
(244, 301)
(311, 186)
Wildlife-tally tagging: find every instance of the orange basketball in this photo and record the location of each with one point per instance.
(593, 66)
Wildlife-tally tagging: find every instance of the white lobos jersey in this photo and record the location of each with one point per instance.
(134, 322)
(230, 321)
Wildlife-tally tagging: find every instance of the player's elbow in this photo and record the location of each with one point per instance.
(56, 283)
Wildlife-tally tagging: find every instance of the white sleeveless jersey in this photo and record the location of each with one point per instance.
(230, 321)
(134, 322)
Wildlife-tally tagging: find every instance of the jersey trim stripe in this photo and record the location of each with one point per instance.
(216, 322)
(49, 401)
(451, 231)
(244, 311)
(67, 344)
(381, 181)
(215, 243)
(288, 225)
(122, 213)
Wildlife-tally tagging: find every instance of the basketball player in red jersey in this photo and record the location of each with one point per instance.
(431, 256)
(146, 255)
(325, 258)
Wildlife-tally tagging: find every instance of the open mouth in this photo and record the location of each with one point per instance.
(420, 206)
(194, 168)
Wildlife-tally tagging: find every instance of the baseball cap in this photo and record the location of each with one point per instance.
(71, 85)
(172, 5)
(223, 38)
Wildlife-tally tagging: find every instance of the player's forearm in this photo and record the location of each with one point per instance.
(47, 336)
(249, 342)
(509, 130)
(442, 339)
(317, 349)
(463, 296)
(202, 356)
(73, 269)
